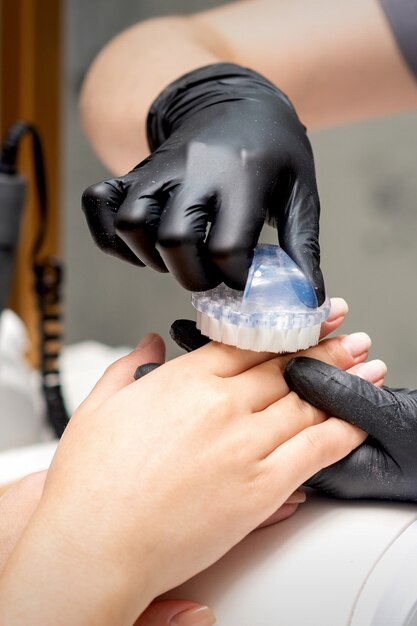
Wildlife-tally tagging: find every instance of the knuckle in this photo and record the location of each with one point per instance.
(178, 237)
(101, 200)
(335, 354)
(114, 367)
(225, 250)
(265, 482)
(97, 194)
(315, 444)
(221, 400)
(130, 218)
(218, 398)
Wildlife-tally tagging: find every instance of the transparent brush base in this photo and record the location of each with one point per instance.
(277, 311)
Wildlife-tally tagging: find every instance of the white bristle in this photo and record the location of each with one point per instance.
(258, 339)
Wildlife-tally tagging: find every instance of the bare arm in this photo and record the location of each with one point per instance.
(338, 62)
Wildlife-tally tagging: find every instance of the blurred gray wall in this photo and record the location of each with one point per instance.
(367, 176)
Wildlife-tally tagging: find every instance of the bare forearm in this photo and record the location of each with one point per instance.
(55, 578)
(127, 76)
(337, 61)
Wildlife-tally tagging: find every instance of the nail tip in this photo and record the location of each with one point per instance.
(201, 616)
(342, 305)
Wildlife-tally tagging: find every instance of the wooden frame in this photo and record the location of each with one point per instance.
(30, 71)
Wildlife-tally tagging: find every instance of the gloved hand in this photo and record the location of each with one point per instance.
(186, 335)
(227, 149)
(385, 465)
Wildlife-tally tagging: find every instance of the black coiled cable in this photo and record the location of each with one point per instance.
(48, 273)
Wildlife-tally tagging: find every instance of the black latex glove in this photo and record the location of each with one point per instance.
(227, 149)
(385, 465)
(186, 335)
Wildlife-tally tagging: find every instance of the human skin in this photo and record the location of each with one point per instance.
(20, 501)
(226, 476)
(337, 61)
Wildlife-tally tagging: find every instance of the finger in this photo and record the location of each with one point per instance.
(367, 472)
(329, 327)
(187, 336)
(264, 384)
(181, 235)
(374, 371)
(284, 512)
(287, 509)
(226, 361)
(291, 414)
(283, 420)
(312, 449)
(343, 351)
(299, 231)
(260, 386)
(349, 397)
(235, 231)
(338, 310)
(176, 613)
(137, 224)
(100, 204)
(151, 349)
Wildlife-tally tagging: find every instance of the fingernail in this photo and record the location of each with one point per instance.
(298, 497)
(357, 343)
(339, 307)
(202, 616)
(373, 370)
(146, 341)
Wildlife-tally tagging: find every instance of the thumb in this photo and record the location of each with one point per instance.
(343, 395)
(119, 374)
(176, 613)
(299, 233)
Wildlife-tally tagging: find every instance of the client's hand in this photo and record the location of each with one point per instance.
(19, 502)
(156, 479)
(17, 506)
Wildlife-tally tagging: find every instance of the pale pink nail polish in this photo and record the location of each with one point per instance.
(202, 616)
(373, 370)
(356, 343)
(339, 307)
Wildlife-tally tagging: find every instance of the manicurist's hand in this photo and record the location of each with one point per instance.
(385, 465)
(156, 479)
(228, 152)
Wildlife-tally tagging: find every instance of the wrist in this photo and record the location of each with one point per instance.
(74, 577)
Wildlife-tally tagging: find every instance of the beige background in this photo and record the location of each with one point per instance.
(368, 185)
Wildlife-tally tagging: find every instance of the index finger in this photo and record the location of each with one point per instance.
(100, 203)
(226, 361)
